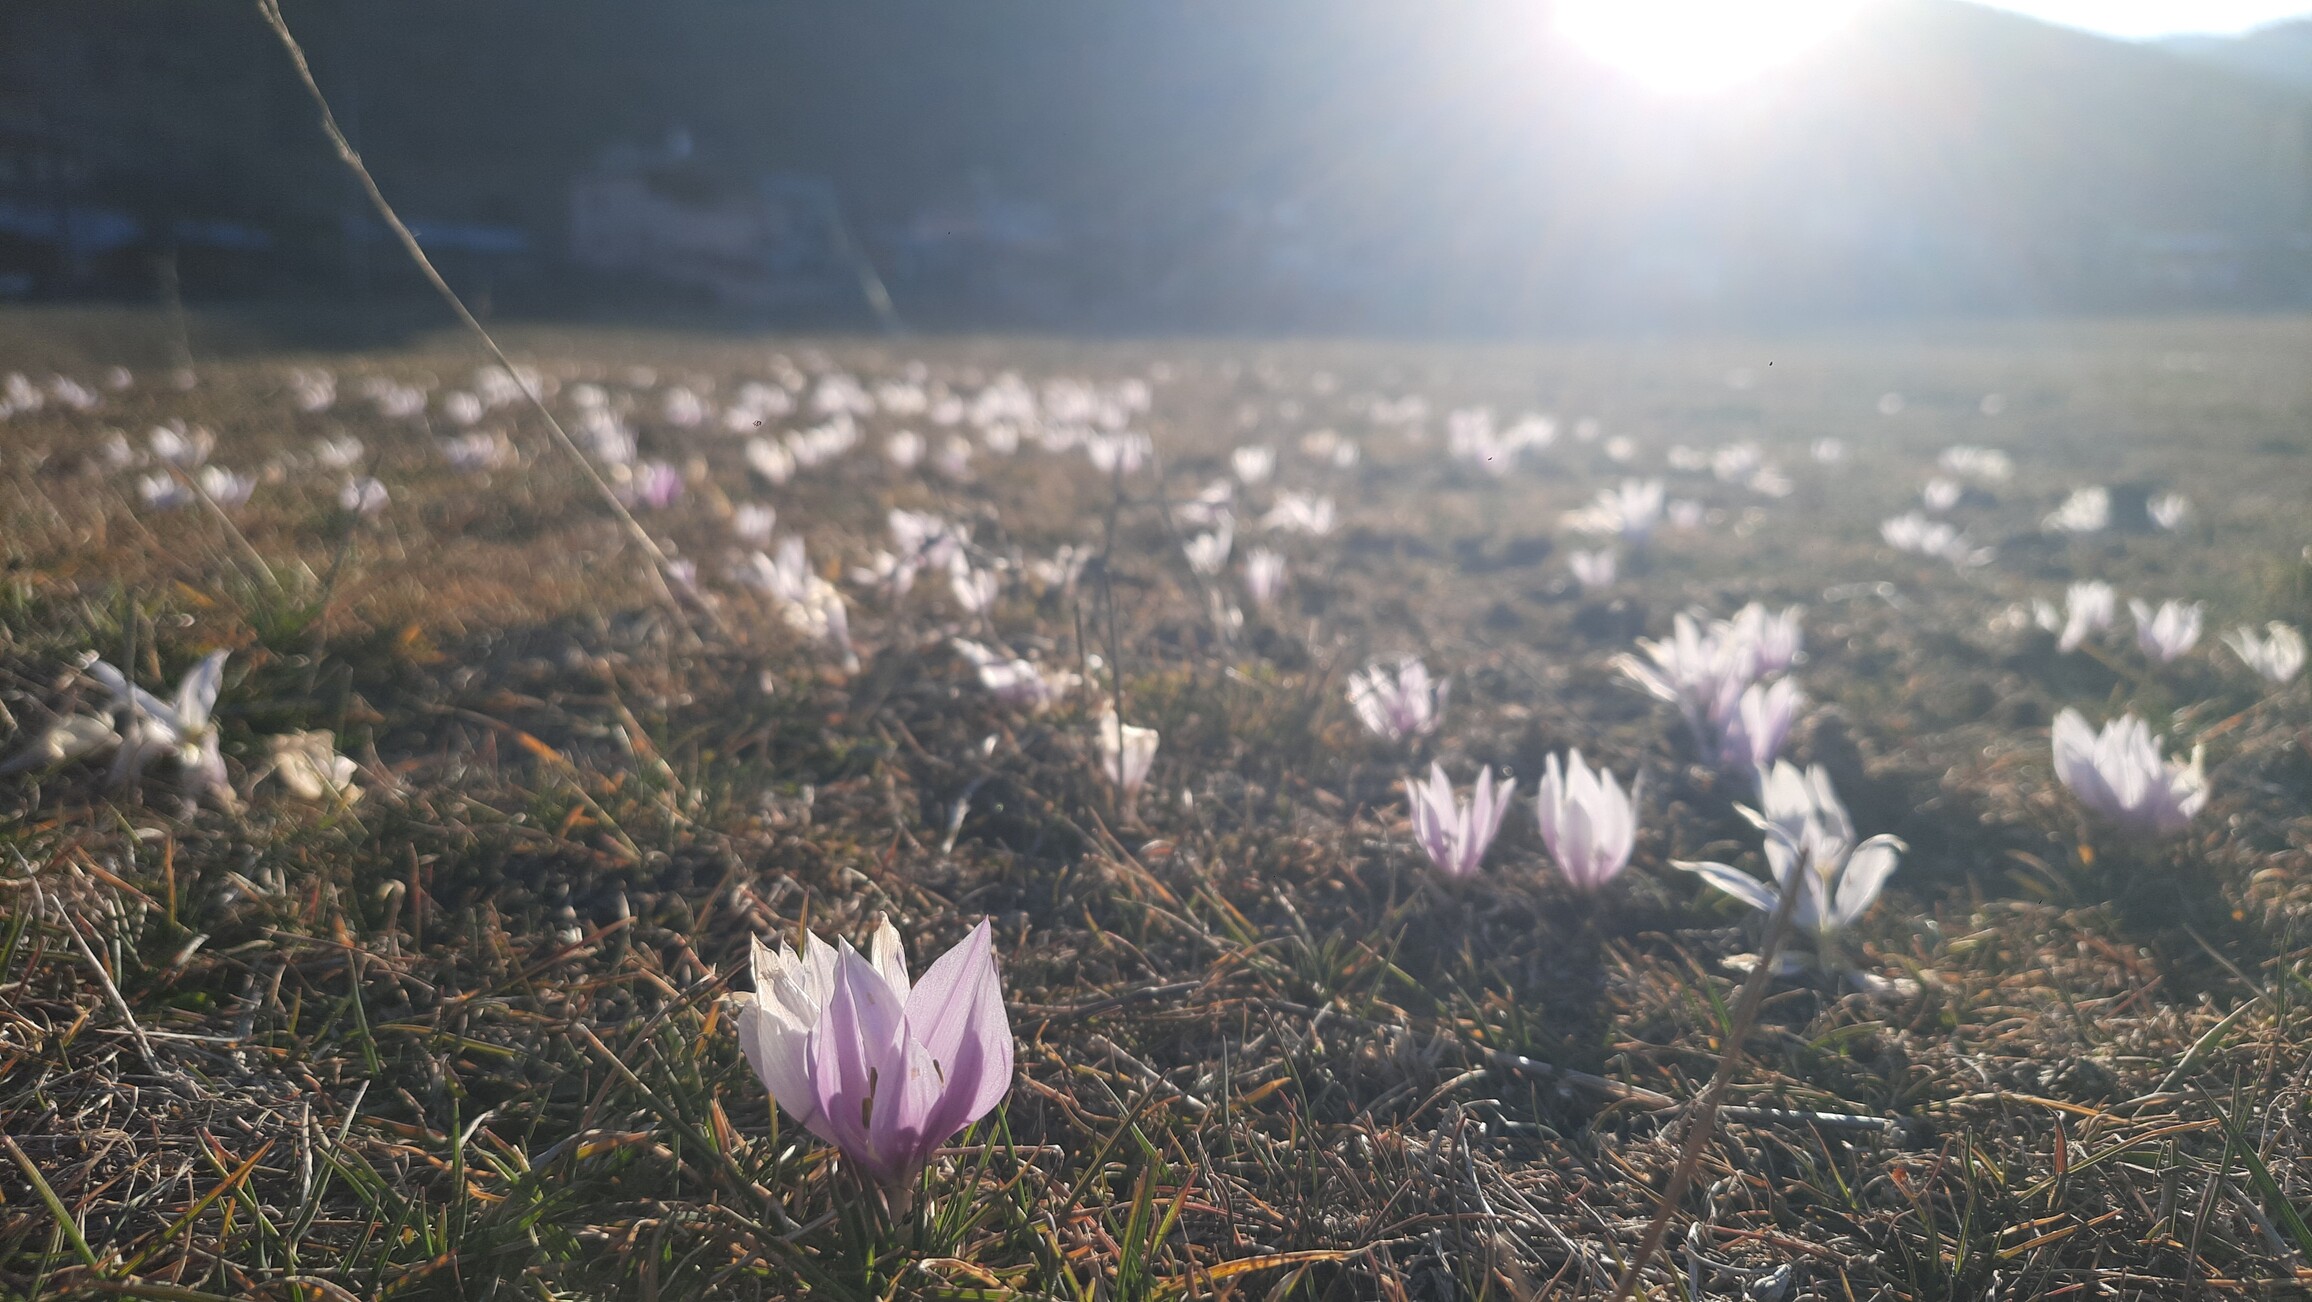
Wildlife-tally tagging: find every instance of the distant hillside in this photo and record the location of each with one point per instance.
(1344, 164)
(2280, 53)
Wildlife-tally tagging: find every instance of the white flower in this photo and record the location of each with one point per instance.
(364, 496)
(975, 589)
(753, 523)
(1126, 753)
(180, 729)
(1015, 681)
(2088, 608)
(2277, 655)
(1405, 703)
(2087, 510)
(342, 452)
(72, 737)
(1300, 513)
(1941, 494)
(1631, 510)
(681, 407)
(1828, 452)
(810, 604)
(1593, 569)
(771, 460)
(2168, 634)
(1810, 848)
(2120, 774)
(2169, 510)
(904, 449)
(308, 764)
(1587, 822)
(1208, 552)
(461, 408)
(479, 451)
(1986, 465)
(224, 487)
(179, 446)
(1253, 464)
(1264, 576)
(1455, 835)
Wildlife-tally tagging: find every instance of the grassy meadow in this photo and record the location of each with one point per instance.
(466, 1034)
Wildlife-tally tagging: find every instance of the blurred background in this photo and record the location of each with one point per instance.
(1455, 167)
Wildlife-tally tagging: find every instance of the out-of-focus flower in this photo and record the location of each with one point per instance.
(1532, 430)
(2278, 655)
(2087, 510)
(340, 452)
(1119, 454)
(1759, 724)
(2169, 510)
(1015, 681)
(1631, 510)
(308, 764)
(161, 491)
(75, 736)
(1915, 533)
(1810, 848)
(224, 487)
(1828, 452)
(312, 389)
(1253, 464)
(1401, 703)
(2167, 634)
(461, 408)
(654, 484)
(181, 729)
(1589, 824)
(681, 407)
(904, 449)
(177, 445)
(1208, 552)
(478, 451)
(1454, 834)
(1214, 504)
(118, 377)
(2089, 608)
(1984, 465)
(884, 1069)
(1773, 641)
(2120, 774)
(771, 460)
(953, 458)
(1685, 513)
(1126, 753)
(1300, 513)
(975, 589)
(810, 604)
(1062, 570)
(1264, 576)
(1701, 673)
(1593, 569)
(753, 523)
(1941, 494)
(364, 496)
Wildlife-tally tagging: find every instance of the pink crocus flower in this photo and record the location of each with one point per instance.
(1456, 835)
(884, 1068)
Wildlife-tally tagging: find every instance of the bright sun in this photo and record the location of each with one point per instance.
(1694, 47)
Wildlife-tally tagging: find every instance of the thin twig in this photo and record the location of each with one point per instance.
(1705, 1116)
(270, 10)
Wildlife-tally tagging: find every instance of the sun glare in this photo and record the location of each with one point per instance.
(1695, 47)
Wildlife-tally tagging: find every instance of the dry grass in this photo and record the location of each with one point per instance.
(464, 1041)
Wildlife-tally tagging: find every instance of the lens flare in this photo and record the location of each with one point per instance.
(1697, 47)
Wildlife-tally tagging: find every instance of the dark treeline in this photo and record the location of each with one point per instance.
(1305, 163)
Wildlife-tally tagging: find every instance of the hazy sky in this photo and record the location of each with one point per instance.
(2141, 18)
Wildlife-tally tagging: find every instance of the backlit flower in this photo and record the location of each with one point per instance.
(1455, 834)
(2277, 655)
(2120, 774)
(2170, 632)
(1588, 823)
(885, 1069)
(1398, 704)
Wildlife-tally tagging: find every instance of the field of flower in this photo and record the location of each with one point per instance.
(1352, 786)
